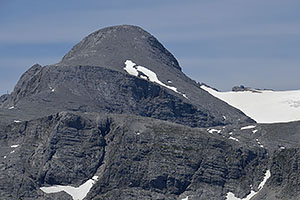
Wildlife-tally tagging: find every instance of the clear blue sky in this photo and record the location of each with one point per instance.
(222, 43)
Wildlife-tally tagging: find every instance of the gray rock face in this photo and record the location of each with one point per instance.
(155, 158)
(177, 162)
(3, 98)
(96, 88)
(285, 179)
(61, 149)
(111, 47)
(137, 157)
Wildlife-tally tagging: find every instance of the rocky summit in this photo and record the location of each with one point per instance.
(116, 118)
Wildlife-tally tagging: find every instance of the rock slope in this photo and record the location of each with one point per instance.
(136, 157)
(133, 157)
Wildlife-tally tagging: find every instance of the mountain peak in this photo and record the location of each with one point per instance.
(110, 47)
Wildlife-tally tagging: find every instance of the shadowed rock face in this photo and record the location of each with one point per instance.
(97, 88)
(3, 98)
(152, 157)
(144, 158)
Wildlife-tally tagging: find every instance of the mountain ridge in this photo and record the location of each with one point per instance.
(86, 87)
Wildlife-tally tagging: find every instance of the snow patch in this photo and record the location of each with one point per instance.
(129, 68)
(248, 127)
(184, 95)
(144, 77)
(265, 106)
(13, 151)
(52, 89)
(145, 73)
(232, 138)
(231, 196)
(214, 130)
(267, 176)
(17, 121)
(5, 157)
(254, 131)
(282, 148)
(186, 198)
(14, 146)
(12, 107)
(258, 142)
(77, 193)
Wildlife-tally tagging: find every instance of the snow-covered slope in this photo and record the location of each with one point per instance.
(263, 106)
(146, 74)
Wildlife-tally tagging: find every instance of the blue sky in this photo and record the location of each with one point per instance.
(222, 43)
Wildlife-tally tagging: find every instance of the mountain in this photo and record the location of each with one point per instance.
(116, 118)
(94, 76)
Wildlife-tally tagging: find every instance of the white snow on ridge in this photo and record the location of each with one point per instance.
(260, 144)
(264, 106)
(77, 193)
(14, 146)
(248, 127)
(133, 69)
(52, 89)
(213, 130)
(153, 77)
(12, 107)
(230, 195)
(184, 95)
(129, 68)
(266, 177)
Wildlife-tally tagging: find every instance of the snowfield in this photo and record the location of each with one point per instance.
(263, 106)
(77, 193)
